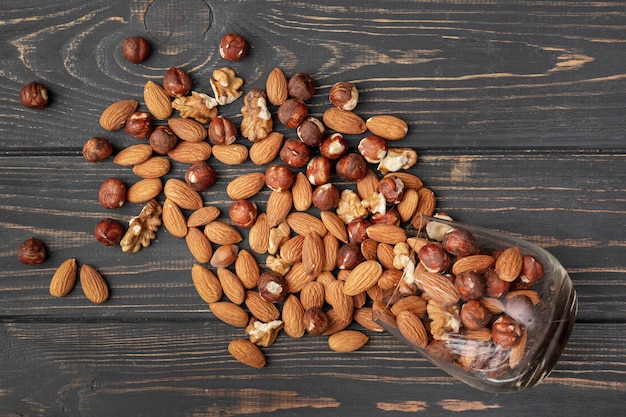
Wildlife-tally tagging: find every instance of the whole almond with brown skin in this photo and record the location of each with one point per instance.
(413, 303)
(291, 250)
(478, 263)
(509, 264)
(347, 341)
(386, 233)
(203, 216)
(292, 316)
(187, 129)
(279, 204)
(174, 219)
(206, 283)
(144, 190)
(266, 150)
(407, 206)
(155, 167)
(331, 249)
(133, 155)
(224, 256)
(409, 180)
(334, 225)
(387, 127)
(303, 223)
(64, 278)
(367, 185)
(302, 192)
(182, 194)
(258, 237)
(94, 286)
(313, 295)
(198, 245)
(115, 115)
(222, 233)
(385, 255)
(247, 269)
(247, 353)
(341, 302)
(276, 87)
(190, 152)
(157, 101)
(369, 248)
(426, 203)
(313, 257)
(246, 186)
(296, 278)
(261, 308)
(336, 323)
(412, 328)
(233, 154)
(363, 316)
(230, 313)
(343, 121)
(364, 276)
(231, 285)
(438, 287)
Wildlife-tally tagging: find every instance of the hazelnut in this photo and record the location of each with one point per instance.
(357, 230)
(349, 256)
(334, 147)
(532, 270)
(301, 86)
(135, 49)
(97, 149)
(200, 176)
(521, 308)
(351, 167)
(233, 47)
(112, 193)
(315, 321)
(392, 188)
(272, 287)
(390, 216)
(494, 286)
(474, 315)
(222, 131)
(344, 95)
(325, 196)
(470, 285)
(506, 332)
(295, 153)
(318, 170)
(373, 149)
(311, 131)
(176, 82)
(163, 139)
(292, 112)
(31, 252)
(460, 243)
(139, 125)
(434, 258)
(243, 213)
(108, 232)
(279, 177)
(439, 350)
(34, 96)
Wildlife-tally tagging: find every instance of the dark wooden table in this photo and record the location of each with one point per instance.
(516, 109)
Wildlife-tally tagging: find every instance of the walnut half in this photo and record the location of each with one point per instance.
(142, 228)
(257, 119)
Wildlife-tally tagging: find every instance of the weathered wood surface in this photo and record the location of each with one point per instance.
(516, 110)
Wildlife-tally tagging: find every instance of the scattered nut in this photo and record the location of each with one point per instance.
(292, 113)
(233, 47)
(112, 193)
(301, 86)
(97, 149)
(34, 96)
(176, 82)
(200, 176)
(139, 125)
(135, 49)
(344, 95)
(108, 232)
(31, 252)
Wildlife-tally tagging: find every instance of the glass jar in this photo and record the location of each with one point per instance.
(487, 320)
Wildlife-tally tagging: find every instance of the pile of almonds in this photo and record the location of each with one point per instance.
(319, 258)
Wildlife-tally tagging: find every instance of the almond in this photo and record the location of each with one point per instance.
(266, 150)
(426, 203)
(93, 285)
(182, 194)
(387, 127)
(144, 190)
(276, 87)
(230, 313)
(247, 269)
(302, 192)
(187, 129)
(367, 185)
(313, 257)
(247, 353)
(347, 341)
(438, 287)
(386, 233)
(203, 216)
(157, 101)
(291, 250)
(190, 152)
(261, 308)
(409, 180)
(224, 256)
(231, 285)
(313, 295)
(245, 186)
(259, 235)
(303, 223)
(478, 263)
(364, 276)
(336, 323)
(341, 302)
(363, 316)
(221, 233)
(292, 316)
(233, 154)
(331, 249)
(296, 278)
(412, 329)
(173, 219)
(115, 115)
(369, 248)
(334, 225)
(279, 204)
(343, 121)
(206, 283)
(155, 167)
(407, 206)
(198, 245)
(509, 264)
(133, 155)
(64, 278)
(413, 303)
(390, 278)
